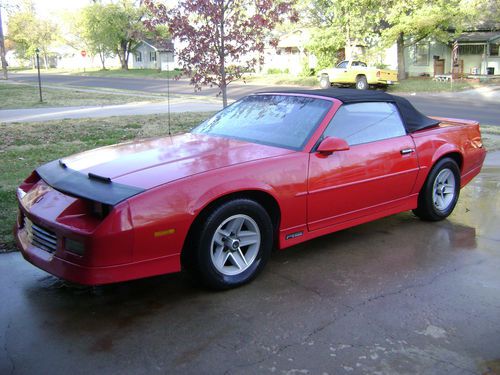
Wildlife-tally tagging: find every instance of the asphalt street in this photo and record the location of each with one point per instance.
(394, 296)
(457, 105)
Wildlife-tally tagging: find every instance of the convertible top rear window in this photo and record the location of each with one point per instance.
(277, 120)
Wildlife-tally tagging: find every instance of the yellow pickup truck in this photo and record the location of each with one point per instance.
(354, 72)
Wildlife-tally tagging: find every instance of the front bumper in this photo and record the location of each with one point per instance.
(85, 275)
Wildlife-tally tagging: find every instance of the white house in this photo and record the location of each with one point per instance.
(291, 53)
(153, 55)
(478, 54)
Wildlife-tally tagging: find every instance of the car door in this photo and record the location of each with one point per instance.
(342, 72)
(377, 171)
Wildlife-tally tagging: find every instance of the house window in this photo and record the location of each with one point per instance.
(422, 54)
(152, 56)
(493, 49)
(471, 49)
(138, 56)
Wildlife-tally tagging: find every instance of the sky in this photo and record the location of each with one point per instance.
(46, 9)
(50, 8)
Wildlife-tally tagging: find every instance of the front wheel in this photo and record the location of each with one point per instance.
(324, 82)
(439, 195)
(234, 244)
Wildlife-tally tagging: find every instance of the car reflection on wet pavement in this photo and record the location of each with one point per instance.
(397, 295)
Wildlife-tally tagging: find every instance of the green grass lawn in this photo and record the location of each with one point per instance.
(114, 72)
(24, 96)
(24, 146)
(280, 79)
(429, 85)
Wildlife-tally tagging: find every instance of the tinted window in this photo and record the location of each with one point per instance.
(276, 120)
(366, 122)
(342, 65)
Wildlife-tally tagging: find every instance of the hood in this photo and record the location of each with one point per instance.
(149, 163)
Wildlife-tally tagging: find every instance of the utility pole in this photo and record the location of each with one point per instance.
(2, 49)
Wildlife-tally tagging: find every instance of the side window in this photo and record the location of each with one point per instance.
(366, 122)
(342, 65)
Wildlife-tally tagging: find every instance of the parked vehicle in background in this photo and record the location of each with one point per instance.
(272, 170)
(356, 73)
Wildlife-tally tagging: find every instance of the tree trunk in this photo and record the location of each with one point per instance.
(45, 61)
(400, 43)
(223, 84)
(123, 60)
(124, 64)
(127, 54)
(103, 58)
(123, 54)
(348, 46)
(2, 50)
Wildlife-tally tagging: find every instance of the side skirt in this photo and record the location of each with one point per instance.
(293, 236)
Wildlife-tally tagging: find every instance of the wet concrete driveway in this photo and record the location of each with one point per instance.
(395, 296)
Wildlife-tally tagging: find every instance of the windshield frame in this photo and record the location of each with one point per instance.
(307, 138)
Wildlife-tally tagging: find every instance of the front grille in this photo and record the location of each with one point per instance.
(40, 237)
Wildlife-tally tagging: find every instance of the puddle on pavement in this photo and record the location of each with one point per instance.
(479, 202)
(50, 282)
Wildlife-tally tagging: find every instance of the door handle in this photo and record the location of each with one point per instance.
(406, 151)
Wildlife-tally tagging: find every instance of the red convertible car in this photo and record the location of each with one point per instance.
(270, 171)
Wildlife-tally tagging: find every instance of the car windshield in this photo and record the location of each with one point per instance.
(278, 120)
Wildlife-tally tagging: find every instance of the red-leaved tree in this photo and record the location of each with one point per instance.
(222, 38)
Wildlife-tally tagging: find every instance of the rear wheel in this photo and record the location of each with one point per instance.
(361, 83)
(234, 244)
(439, 195)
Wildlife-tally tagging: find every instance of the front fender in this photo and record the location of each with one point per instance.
(228, 188)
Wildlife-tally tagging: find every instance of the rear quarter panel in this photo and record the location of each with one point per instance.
(461, 137)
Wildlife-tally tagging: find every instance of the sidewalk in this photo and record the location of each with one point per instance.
(489, 93)
(130, 109)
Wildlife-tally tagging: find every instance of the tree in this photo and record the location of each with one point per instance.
(340, 24)
(222, 38)
(484, 14)
(93, 28)
(124, 23)
(2, 49)
(410, 21)
(28, 32)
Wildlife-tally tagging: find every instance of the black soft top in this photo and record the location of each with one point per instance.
(413, 120)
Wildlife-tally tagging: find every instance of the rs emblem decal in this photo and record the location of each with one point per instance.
(294, 235)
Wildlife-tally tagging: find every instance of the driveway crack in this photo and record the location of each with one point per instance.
(6, 349)
(301, 286)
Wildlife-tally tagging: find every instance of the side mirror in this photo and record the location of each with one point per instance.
(332, 144)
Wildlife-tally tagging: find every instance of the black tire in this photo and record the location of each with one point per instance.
(324, 82)
(361, 83)
(254, 216)
(429, 209)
